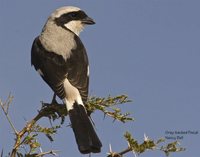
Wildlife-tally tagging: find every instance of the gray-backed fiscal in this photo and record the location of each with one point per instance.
(60, 58)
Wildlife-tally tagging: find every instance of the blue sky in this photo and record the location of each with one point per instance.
(147, 49)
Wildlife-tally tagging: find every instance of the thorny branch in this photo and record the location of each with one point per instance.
(55, 111)
(27, 136)
(109, 107)
(48, 110)
(148, 144)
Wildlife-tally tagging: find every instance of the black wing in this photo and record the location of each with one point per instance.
(55, 69)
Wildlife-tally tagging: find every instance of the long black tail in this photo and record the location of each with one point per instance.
(86, 137)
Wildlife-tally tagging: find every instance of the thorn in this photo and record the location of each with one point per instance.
(110, 148)
(54, 153)
(146, 138)
(41, 151)
(50, 122)
(110, 153)
(134, 153)
(104, 116)
(2, 153)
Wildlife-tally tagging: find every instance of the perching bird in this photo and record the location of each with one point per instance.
(60, 58)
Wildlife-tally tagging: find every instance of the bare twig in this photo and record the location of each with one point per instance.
(5, 107)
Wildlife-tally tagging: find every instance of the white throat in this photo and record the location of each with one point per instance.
(75, 26)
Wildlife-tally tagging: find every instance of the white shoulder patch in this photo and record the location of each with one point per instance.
(40, 72)
(88, 71)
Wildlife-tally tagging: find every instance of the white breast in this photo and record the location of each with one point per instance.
(58, 40)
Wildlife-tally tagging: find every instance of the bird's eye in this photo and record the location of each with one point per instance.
(73, 15)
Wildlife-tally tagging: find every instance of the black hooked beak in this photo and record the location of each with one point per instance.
(88, 21)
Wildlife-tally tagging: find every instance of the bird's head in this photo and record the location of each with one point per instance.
(71, 18)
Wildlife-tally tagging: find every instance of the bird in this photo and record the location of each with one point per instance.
(60, 58)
